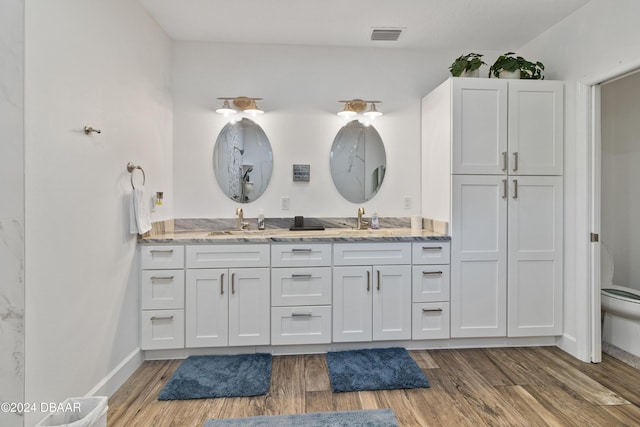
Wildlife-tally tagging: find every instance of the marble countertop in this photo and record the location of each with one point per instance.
(283, 235)
(336, 230)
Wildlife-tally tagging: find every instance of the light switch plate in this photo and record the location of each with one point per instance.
(285, 203)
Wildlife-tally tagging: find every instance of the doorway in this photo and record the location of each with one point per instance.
(614, 173)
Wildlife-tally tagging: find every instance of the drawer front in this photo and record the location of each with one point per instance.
(430, 283)
(301, 255)
(156, 257)
(431, 252)
(301, 325)
(371, 253)
(162, 329)
(300, 286)
(430, 321)
(162, 289)
(224, 256)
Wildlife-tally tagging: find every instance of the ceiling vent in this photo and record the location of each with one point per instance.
(386, 34)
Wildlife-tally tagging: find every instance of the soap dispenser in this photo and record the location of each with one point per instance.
(375, 221)
(261, 219)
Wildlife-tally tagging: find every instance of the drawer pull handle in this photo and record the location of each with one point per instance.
(301, 276)
(300, 314)
(431, 310)
(515, 161)
(368, 280)
(378, 271)
(432, 248)
(300, 250)
(161, 318)
(504, 161)
(163, 251)
(161, 277)
(515, 188)
(432, 273)
(221, 283)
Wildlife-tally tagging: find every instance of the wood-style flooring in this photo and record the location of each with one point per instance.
(540, 386)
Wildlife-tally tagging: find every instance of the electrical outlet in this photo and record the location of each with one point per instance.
(285, 203)
(407, 202)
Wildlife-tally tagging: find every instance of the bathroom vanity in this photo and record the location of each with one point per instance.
(290, 292)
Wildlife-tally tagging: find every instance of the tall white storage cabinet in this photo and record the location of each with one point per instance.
(492, 156)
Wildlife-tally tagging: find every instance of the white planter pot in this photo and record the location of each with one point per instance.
(474, 73)
(509, 74)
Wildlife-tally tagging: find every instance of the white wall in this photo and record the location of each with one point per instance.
(620, 103)
(106, 64)
(300, 86)
(601, 36)
(11, 207)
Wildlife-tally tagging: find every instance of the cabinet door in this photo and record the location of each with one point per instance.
(352, 299)
(391, 302)
(207, 308)
(535, 127)
(479, 125)
(479, 256)
(249, 306)
(535, 256)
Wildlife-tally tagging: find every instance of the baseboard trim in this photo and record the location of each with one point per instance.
(114, 379)
(281, 350)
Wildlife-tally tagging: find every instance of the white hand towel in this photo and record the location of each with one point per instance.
(139, 212)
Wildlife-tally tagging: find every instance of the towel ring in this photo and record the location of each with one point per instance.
(130, 168)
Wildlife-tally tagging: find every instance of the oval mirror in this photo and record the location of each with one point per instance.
(243, 160)
(358, 161)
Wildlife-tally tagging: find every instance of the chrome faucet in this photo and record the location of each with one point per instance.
(361, 224)
(242, 224)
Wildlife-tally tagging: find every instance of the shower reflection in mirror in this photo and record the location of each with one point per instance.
(243, 160)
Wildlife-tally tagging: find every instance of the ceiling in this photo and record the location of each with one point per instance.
(427, 24)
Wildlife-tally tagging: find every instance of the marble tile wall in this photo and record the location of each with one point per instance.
(11, 209)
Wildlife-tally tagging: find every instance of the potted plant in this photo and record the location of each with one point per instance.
(519, 68)
(466, 65)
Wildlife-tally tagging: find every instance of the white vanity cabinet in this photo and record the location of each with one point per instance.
(162, 297)
(493, 161)
(430, 290)
(371, 291)
(301, 293)
(227, 297)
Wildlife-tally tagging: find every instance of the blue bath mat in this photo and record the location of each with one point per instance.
(200, 377)
(370, 418)
(374, 369)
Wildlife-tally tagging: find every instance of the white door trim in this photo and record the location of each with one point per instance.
(588, 339)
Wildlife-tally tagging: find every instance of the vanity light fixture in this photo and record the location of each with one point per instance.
(226, 109)
(243, 103)
(355, 106)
